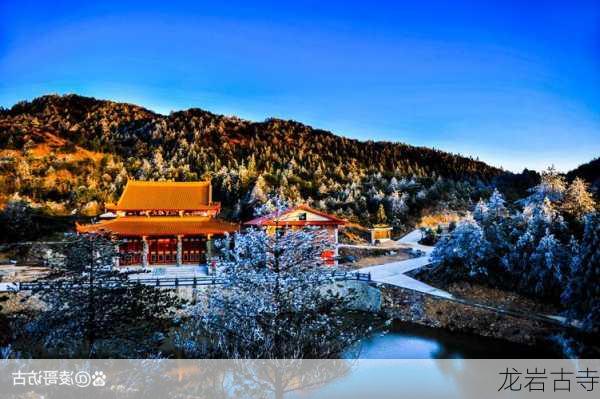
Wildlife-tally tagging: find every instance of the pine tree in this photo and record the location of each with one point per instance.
(582, 295)
(464, 254)
(276, 302)
(552, 187)
(578, 201)
(381, 217)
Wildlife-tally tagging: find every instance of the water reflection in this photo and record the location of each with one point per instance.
(262, 379)
(177, 378)
(410, 341)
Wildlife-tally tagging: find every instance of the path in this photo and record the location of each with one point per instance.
(395, 273)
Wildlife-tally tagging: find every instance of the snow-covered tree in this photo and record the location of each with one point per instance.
(582, 295)
(548, 263)
(578, 201)
(277, 302)
(496, 206)
(480, 211)
(465, 253)
(552, 186)
(275, 203)
(258, 195)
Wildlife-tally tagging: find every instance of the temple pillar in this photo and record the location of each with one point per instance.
(179, 250)
(116, 259)
(209, 248)
(145, 250)
(335, 241)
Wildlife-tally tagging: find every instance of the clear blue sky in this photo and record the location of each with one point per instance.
(515, 83)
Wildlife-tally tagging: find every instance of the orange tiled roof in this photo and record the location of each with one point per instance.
(150, 195)
(271, 219)
(160, 226)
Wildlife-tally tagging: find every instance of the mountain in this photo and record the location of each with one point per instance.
(75, 153)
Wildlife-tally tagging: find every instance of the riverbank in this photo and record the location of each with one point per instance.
(426, 310)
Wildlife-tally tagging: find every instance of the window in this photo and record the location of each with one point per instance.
(302, 216)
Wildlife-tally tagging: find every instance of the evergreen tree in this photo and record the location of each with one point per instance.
(464, 254)
(578, 201)
(552, 187)
(582, 295)
(381, 217)
(277, 302)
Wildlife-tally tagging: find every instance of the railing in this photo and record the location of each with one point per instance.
(176, 282)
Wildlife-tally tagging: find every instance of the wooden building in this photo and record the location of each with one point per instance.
(303, 216)
(380, 233)
(163, 223)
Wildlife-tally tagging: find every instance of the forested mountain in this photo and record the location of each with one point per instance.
(72, 153)
(589, 171)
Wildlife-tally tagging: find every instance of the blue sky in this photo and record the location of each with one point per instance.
(516, 84)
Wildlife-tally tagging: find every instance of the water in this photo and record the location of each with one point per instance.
(410, 341)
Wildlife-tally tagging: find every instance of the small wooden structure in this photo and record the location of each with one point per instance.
(380, 233)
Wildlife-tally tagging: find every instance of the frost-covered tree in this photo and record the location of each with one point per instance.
(578, 201)
(496, 206)
(480, 211)
(277, 302)
(91, 310)
(258, 195)
(548, 263)
(537, 235)
(274, 204)
(465, 253)
(552, 186)
(397, 204)
(582, 295)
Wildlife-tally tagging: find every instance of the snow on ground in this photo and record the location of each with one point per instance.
(9, 287)
(394, 273)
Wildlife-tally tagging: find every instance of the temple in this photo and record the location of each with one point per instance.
(303, 216)
(163, 223)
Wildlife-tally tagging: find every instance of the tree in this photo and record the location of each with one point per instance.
(464, 254)
(582, 294)
(578, 201)
(92, 310)
(552, 186)
(496, 207)
(536, 237)
(547, 266)
(17, 220)
(381, 217)
(277, 302)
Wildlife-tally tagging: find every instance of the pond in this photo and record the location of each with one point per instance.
(411, 341)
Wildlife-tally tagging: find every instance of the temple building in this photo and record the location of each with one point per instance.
(303, 216)
(163, 223)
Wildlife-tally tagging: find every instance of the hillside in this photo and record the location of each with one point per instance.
(74, 153)
(589, 171)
